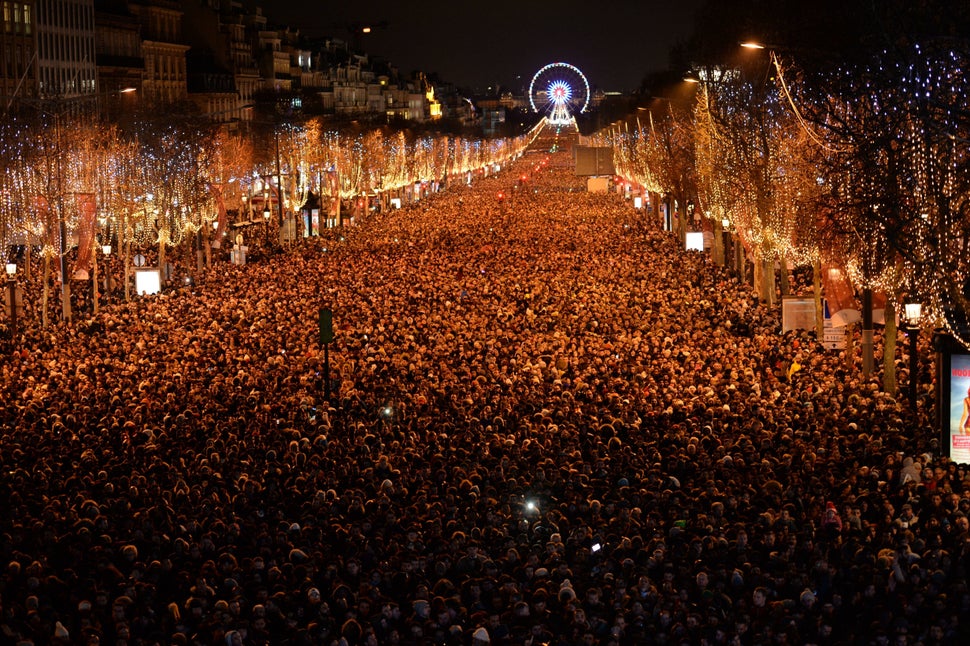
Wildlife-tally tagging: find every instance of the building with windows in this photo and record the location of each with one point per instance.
(18, 74)
(165, 78)
(66, 59)
(117, 50)
(225, 56)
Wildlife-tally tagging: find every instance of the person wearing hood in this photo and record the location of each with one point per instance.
(910, 471)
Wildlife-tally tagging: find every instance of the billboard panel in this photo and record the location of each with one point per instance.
(694, 241)
(797, 313)
(594, 160)
(147, 281)
(956, 422)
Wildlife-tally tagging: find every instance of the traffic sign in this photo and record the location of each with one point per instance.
(326, 325)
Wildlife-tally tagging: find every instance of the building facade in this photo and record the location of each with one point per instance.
(118, 48)
(165, 80)
(222, 55)
(18, 73)
(66, 59)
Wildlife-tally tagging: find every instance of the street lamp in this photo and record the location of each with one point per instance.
(726, 251)
(106, 250)
(913, 310)
(12, 297)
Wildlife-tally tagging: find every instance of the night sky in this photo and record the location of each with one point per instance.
(479, 44)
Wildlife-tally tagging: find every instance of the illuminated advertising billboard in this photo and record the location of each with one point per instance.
(695, 241)
(956, 422)
(147, 281)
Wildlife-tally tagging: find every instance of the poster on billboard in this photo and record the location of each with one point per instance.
(956, 428)
(833, 335)
(797, 313)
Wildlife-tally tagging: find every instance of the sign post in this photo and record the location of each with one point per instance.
(326, 338)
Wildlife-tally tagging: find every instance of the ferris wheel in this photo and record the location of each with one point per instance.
(560, 91)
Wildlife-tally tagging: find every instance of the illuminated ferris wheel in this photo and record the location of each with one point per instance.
(560, 91)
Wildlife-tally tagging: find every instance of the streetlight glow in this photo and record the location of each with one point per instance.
(913, 313)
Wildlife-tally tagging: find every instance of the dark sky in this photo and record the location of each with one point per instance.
(484, 42)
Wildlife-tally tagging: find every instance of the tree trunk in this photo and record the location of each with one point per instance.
(208, 247)
(94, 276)
(45, 299)
(889, 350)
(161, 261)
(757, 266)
(785, 282)
(717, 244)
(127, 261)
(849, 346)
(817, 291)
(769, 278)
(739, 258)
(766, 285)
(868, 333)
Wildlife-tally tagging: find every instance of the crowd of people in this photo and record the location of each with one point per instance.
(548, 424)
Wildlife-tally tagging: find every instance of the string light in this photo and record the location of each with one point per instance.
(156, 190)
(869, 174)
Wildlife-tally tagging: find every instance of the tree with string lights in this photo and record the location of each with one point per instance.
(895, 168)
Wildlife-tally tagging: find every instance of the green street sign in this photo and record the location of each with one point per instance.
(326, 325)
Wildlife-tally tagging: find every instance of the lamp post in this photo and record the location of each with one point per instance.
(106, 250)
(914, 311)
(12, 297)
(726, 255)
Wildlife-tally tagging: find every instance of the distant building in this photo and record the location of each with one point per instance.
(222, 55)
(117, 46)
(66, 59)
(165, 78)
(493, 119)
(18, 50)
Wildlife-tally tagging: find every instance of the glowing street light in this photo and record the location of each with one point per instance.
(12, 297)
(913, 310)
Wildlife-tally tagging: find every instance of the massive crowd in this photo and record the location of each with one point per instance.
(549, 425)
